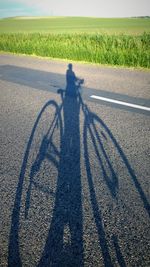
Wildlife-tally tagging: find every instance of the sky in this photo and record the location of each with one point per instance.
(92, 8)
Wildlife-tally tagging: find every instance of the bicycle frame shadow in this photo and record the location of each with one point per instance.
(67, 209)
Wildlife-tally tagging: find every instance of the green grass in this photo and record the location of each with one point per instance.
(132, 26)
(124, 42)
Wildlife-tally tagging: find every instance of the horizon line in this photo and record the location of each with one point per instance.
(75, 16)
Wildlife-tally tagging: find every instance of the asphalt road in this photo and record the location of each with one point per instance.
(74, 172)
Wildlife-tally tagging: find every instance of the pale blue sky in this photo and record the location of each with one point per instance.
(94, 8)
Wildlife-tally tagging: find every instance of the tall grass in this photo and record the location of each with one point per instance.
(133, 51)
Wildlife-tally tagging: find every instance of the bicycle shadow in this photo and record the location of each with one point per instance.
(64, 245)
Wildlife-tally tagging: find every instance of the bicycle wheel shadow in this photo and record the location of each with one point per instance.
(64, 245)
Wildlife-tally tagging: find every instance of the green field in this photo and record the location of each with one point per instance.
(117, 26)
(124, 42)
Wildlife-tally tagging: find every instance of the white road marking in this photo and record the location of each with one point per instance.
(120, 102)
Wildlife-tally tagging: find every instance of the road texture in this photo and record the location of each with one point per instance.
(74, 173)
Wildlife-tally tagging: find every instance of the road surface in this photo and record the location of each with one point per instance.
(74, 175)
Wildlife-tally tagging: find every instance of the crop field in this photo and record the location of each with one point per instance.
(123, 42)
(130, 26)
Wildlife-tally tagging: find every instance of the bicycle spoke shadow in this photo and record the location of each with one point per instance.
(64, 245)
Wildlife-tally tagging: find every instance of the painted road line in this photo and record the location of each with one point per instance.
(120, 102)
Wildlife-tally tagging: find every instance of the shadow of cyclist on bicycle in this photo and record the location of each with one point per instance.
(64, 244)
